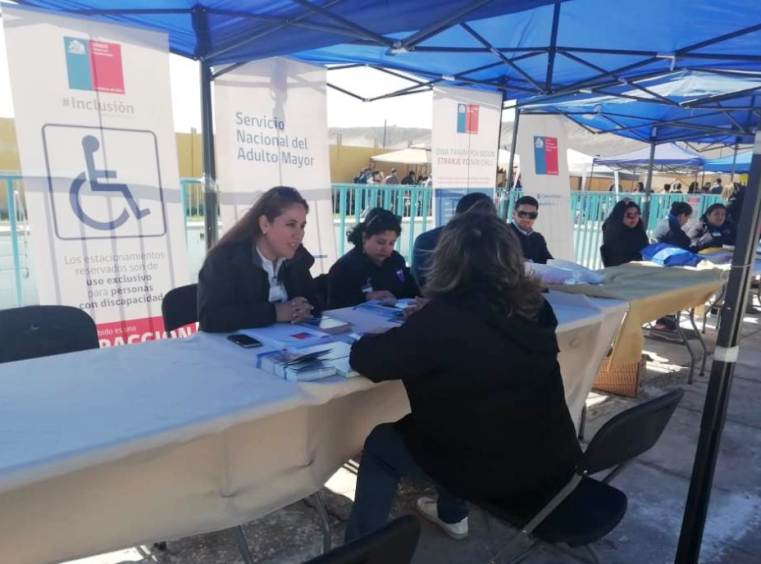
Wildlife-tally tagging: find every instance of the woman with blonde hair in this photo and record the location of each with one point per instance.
(258, 272)
(479, 362)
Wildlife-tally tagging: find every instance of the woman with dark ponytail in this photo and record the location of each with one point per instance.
(372, 270)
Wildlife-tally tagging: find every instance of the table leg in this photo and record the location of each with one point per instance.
(686, 344)
(245, 553)
(701, 341)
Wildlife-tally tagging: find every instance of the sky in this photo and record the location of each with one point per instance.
(343, 111)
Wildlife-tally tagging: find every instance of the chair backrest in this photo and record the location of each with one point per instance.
(322, 289)
(396, 542)
(43, 330)
(630, 433)
(604, 256)
(179, 307)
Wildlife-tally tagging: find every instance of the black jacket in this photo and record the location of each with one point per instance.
(533, 245)
(622, 244)
(233, 288)
(669, 231)
(704, 235)
(489, 418)
(352, 272)
(422, 251)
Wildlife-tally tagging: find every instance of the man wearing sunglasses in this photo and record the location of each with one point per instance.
(532, 243)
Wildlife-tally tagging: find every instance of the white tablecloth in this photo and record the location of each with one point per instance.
(113, 447)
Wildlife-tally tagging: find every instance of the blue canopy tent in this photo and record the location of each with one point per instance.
(732, 163)
(668, 155)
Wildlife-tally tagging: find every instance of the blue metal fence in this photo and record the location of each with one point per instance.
(413, 203)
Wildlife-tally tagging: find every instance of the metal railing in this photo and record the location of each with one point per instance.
(413, 203)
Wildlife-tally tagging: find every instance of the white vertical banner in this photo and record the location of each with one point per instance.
(464, 142)
(542, 145)
(271, 129)
(96, 140)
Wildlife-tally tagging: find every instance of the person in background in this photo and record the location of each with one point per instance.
(426, 242)
(375, 177)
(410, 178)
(640, 187)
(735, 204)
(479, 362)
(693, 188)
(713, 229)
(362, 177)
(717, 188)
(392, 178)
(667, 188)
(670, 229)
(623, 235)
(706, 188)
(372, 270)
(428, 182)
(258, 272)
(533, 245)
(677, 188)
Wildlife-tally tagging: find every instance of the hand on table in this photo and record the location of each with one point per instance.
(294, 311)
(383, 296)
(416, 305)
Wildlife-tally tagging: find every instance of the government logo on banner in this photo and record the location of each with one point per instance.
(467, 118)
(94, 65)
(546, 155)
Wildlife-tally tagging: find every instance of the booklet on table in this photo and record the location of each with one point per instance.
(304, 365)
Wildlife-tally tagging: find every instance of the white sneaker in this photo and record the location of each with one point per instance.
(427, 508)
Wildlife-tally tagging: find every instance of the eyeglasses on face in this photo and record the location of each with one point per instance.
(632, 215)
(528, 214)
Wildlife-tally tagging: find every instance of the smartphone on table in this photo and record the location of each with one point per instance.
(244, 341)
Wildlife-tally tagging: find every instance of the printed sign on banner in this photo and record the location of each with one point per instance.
(272, 130)
(98, 156)
(542, 139)
(464, 146)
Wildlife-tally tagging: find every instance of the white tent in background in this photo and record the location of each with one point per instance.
(409, 156)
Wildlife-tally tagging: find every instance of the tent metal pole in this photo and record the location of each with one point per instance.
(725, 357)
(734, 162)
(649, 185)
(499, 135)
(553, 47)
(510, 179)
(209, 165)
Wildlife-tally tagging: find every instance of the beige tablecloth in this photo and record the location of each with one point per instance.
(652, 291)
(115, 447)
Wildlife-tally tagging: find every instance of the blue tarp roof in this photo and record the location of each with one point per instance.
(724, 164)
(613, 70)
(597, 44)
(278, 27)
(666, 155)
(685, 105)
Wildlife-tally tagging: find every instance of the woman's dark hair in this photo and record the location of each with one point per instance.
(618, 212)
(710, 209)
(678, 208)
(271, 204)
(479, 254)
(376, 221)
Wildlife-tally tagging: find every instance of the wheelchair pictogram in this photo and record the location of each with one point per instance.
(91, 145)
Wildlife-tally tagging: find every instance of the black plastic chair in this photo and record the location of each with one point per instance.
(586, 509)
(44, 330)
(395, 543)
(180, 307)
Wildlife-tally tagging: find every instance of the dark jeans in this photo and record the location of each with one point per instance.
(385, 460)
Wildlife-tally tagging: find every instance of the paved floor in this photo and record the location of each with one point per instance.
(656, 485)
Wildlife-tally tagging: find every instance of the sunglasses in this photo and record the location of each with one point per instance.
(528, 215)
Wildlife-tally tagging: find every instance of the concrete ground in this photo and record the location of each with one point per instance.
(656, 485)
